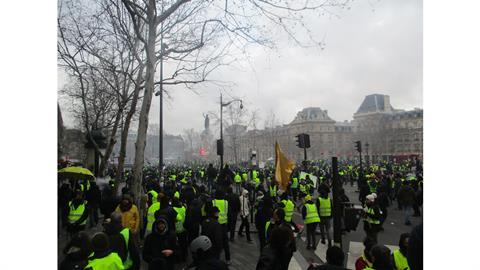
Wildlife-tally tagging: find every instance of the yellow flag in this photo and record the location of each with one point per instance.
(283, 168)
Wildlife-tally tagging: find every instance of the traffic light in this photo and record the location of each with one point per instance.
(303, 140)
(306, 140)
(300, 140)
(358, 146)
(220, 147)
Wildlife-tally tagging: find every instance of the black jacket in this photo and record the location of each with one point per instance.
(212, 264)
(271, 259)
(156, 242)
(214, 231)
(93, 195)
(74, 261)
(233, 204)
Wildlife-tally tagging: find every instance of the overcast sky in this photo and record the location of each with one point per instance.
(374, 47)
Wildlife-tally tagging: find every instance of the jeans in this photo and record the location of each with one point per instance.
(311, 240)
(245, 223)
(325, 224)
(226, 245)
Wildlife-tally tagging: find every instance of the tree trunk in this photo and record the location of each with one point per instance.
(146, 103)
(110, 145)
(126, 127)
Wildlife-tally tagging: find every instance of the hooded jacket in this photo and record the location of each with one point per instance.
(157, 241)
(244, 204)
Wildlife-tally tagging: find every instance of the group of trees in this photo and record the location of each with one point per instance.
(110, 50)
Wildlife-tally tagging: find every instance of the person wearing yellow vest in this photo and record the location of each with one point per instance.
(121, 242)
(303, 189)
(272, 189)
(371, 215)
(76, 214)
(324, 206)
(238, 182)
(244, 177)
(180, 228)
(400, 255)
(102, 257)
(151, 216)
(294, 187)
(222, 206)
(311, 219)
(152, 196)
(365, 260)
(381, 258)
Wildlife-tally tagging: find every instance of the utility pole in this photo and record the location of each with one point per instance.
(337, 214)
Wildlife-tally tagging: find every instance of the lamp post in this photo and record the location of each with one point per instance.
(221, 123)
(160, 93)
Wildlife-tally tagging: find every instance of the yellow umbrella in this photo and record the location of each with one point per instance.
(76, 173)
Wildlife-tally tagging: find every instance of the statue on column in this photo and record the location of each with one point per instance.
(207, 121)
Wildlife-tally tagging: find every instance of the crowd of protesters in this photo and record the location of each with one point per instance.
(188, 216)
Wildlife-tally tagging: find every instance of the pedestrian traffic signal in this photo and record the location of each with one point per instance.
(358, 146)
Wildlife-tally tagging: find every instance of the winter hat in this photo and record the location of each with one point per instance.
(370, 197)
(245, 192)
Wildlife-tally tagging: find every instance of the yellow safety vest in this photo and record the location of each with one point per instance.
(223, 207)
(181, 212)
(176, 194)
(325, 207)
(401, 262)
(151, 216)
(244, 176)
(369, 219)
(303, 189)
(126, 235)
(257, 181)
(154, 195)
(289, 207)
(294, 183)
(273, 191)
(238, 178)
(111, 262)
(75, 214)
(312, 214)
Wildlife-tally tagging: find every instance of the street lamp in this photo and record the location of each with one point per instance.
(221, 124)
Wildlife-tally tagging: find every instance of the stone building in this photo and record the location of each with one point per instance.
(389, 133)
